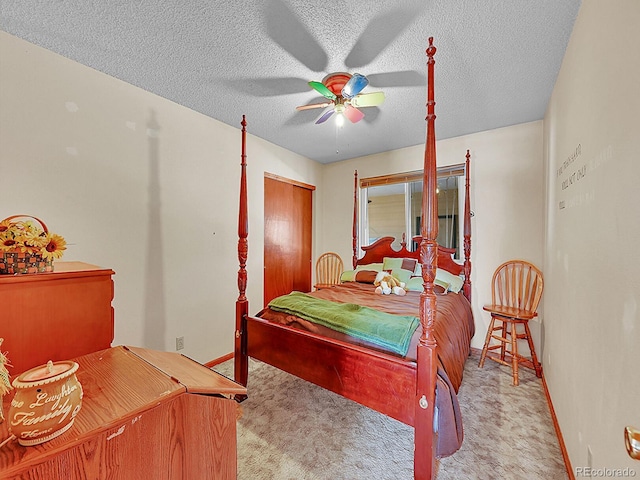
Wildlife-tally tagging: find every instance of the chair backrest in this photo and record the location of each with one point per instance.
(329, 269)
(517, 283)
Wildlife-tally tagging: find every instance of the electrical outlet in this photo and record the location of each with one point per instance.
(179, 343)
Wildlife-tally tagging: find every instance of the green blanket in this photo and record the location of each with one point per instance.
(391, 332)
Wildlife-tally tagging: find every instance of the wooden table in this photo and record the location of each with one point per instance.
(145, 414)
(57, 315)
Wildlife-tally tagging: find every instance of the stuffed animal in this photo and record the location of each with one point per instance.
(386, 284)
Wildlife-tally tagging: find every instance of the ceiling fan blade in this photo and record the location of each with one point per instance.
(322, 89)
(353, 114)
(314, 105)
(354, 86)
(325, 116)
(368, 99)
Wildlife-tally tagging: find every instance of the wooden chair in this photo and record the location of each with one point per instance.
(516, 289)
(329, 268)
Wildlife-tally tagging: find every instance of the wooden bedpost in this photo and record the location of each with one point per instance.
(425, 437)
(466, 288)
(355, 220)
(241, 360)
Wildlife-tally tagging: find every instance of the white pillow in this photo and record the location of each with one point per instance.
(455, 281)
(443, 277)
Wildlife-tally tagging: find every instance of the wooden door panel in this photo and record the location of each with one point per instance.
(302, 255)
(287, 238)
(276, 236)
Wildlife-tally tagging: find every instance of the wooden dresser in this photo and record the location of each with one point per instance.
(55, 316)
(145, 414)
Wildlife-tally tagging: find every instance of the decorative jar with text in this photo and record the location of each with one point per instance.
(46, 402)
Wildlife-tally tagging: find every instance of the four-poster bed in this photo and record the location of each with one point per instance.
(402, 386)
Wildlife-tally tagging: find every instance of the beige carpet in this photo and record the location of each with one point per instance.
(291, 429)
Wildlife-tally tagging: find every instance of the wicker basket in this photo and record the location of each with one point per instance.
(15, 261)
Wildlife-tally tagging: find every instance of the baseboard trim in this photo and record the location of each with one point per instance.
(563, 448)
(216, 361)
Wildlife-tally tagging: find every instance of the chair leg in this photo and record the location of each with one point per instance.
(534, 357)
(486, 342)
(504, 332)
(514, 353)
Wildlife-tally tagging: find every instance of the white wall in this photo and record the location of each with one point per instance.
(146, 187)
(591, 304)
(506, 196)
(149, 188)
(138, 184)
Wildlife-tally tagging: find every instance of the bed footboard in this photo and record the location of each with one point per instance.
(373, 379)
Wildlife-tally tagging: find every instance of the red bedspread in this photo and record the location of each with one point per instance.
(453, 329)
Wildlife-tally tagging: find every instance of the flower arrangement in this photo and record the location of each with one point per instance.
(30, 238)
(27, 246)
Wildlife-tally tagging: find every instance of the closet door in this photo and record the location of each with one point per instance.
(287, 236)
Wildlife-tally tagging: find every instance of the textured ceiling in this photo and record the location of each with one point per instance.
(496, 64)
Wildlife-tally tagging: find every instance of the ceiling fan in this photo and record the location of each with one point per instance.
(344, 97)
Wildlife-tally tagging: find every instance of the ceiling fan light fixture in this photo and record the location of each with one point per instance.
(343, 93)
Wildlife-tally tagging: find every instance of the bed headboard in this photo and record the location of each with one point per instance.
(381, 248)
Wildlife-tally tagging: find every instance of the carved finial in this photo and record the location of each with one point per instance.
(431, 50)
(243, 122)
